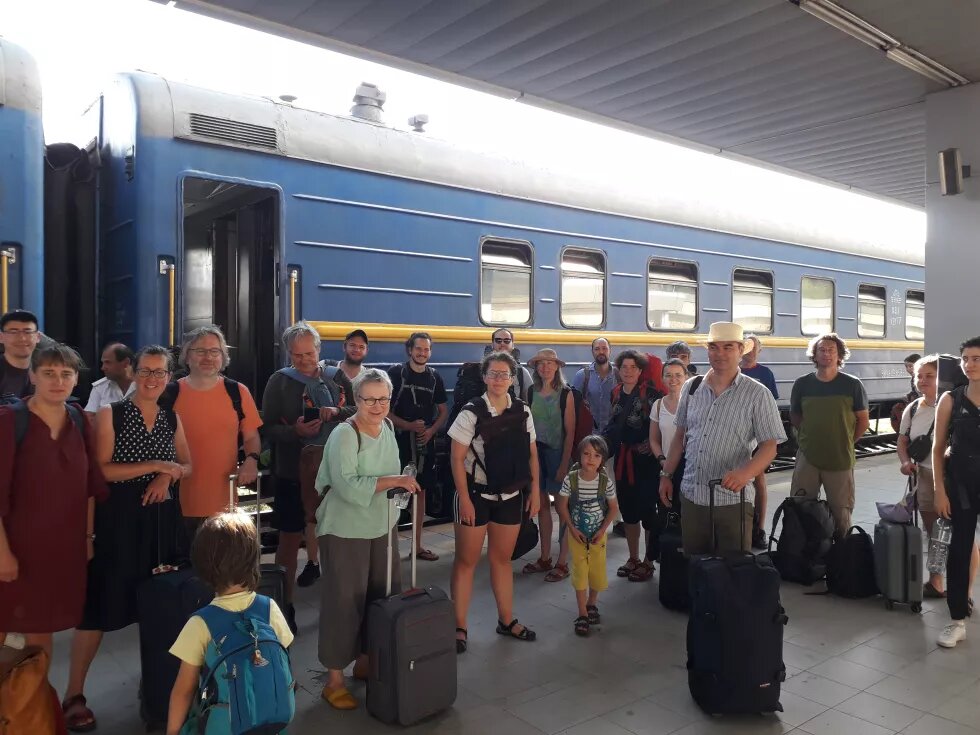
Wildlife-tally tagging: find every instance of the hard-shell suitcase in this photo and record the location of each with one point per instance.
(411, 643)
(272, 577)
(898, 564)
(735, 632)
(674, 567)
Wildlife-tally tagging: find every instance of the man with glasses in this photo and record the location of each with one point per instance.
(117, 366)
(19, 336)
(502, 340)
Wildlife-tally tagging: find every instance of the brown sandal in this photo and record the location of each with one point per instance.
(557, 574)
(427, 555)
(628, 568)
(541, 565)
(642, 573)
(78, 717)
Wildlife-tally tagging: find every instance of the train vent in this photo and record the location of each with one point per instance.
(234, 131)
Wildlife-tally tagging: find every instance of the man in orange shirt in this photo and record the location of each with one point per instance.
(212, 425)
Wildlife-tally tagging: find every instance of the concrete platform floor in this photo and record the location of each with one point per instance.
(854, 668)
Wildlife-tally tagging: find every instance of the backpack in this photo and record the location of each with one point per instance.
(851, 565)
(247, 686)
(402, 385)
(470, 385)
(600, 494)
(22, 418)
(646, 389)
(506, 446)
(28, 704)
(654, 373)
(806, 538)
(949, 375)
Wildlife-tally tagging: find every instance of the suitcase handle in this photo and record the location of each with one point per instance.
(233, 501)
(713, 486)
(392, 533)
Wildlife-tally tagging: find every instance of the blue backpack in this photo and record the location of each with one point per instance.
(247, 686)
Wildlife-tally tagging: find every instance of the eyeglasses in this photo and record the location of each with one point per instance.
(374, 401)
(146, 373)
(20, 332)
(502, 340)
(499, 374)
(202, 352)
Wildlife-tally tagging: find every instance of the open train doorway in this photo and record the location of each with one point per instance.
(229, 276)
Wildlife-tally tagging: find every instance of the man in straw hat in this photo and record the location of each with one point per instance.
(724, 417)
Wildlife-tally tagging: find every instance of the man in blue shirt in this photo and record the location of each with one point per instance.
(751, 367)
(596, 382)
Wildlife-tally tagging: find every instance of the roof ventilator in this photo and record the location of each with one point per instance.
(369, 102)
(233, 131)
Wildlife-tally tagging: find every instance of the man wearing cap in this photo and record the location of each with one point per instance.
(830, 412)
(355, 350)
(596, 382)
(722, 416)
(680, 350)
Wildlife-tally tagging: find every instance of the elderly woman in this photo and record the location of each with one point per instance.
(143, 453)
(495, 460)
(49, 477)
(354, 526)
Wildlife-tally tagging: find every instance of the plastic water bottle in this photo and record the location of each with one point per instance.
(942, 534)
(402, 499)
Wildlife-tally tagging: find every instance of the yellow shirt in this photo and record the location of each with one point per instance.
(192, 643)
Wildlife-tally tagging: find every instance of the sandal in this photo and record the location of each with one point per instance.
(427, 555)
(969, 608)
(526, 633)
(628, 568)
(644, 570)
(593, 611)
(557, 574)
(78, 717)
(339, 698)
(582, 626)
(461, 643)
(929, 591)
(541, 565)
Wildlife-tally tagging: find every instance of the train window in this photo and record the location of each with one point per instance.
(871, 311)
(817, 305)
(915, 315)
(672, 295)
(505, 282)
(752, 300)
(583, 287)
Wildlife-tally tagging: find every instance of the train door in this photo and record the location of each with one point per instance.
(229, 277)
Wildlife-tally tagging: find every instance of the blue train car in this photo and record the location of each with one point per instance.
(253, 214)
(21, 182)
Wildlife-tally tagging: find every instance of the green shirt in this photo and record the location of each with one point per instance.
(826, 436)
(352, 507)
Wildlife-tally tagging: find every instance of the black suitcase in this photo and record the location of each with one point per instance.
(735, 632)
(411, 643)
(165, 602)
(674, 567)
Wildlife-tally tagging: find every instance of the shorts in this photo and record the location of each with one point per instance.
(548, 460)
(588, 565)
(502, 512)
(288, 505)
(925, 490)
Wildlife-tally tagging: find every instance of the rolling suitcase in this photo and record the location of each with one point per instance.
(673, 587)
(735, 632)
(411, 644)
(898, 564)
(272, 577)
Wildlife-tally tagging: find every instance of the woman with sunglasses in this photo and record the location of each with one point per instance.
(354, 525)
(143, 454)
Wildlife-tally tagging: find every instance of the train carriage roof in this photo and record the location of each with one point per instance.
(170, 109)
(20, 81)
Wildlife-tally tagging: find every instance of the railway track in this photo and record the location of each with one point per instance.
(870, 445)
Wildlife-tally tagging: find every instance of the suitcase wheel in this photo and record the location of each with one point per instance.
(916, 608)
(889, 605)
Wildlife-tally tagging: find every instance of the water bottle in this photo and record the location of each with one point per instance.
(402, 499)
(942, 534)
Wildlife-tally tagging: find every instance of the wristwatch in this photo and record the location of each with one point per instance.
(252, 455)
(665, 473)
(661, 457)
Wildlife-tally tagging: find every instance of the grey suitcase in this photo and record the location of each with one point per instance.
(898, 564)
(411, 644)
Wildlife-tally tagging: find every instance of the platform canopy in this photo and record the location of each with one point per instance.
(832, 90)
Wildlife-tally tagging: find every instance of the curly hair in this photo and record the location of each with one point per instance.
(843, 354)
(636, 357)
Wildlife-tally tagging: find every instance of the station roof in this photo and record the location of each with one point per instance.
(761, 80)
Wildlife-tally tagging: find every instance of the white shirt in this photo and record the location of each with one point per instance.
(921, 423)
(665, 420)
(104, 392)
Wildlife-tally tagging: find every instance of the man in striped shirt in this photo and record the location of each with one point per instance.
(724, 418)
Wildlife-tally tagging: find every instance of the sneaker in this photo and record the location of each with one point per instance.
(952, 634)
(759, 539)
(309, 575)
(289, 612)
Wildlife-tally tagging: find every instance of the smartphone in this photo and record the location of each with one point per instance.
(310, 414)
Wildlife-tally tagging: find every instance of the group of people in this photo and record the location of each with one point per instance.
(92, 507)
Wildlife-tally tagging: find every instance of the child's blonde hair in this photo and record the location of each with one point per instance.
(597, 443)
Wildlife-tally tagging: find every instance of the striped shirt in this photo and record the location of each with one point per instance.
(722, 432)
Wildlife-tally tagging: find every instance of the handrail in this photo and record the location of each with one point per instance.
(293, 280)
(170, 270)
(7, 258)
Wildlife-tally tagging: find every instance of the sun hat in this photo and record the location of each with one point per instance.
(546, 354)
(727, 332)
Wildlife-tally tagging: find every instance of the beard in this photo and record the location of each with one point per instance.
(601, 359)
(353, 360)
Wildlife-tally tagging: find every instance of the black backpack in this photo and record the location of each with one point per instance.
(851, 565)
(805, 540)
(506, 446)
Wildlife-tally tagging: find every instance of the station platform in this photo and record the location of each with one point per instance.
(852, 666)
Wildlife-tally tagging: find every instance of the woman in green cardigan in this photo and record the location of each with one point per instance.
(360, 464)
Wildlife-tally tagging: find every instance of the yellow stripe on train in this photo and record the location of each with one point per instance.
(480, 335)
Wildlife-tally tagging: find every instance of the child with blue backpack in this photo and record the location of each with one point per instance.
(233, 650)
(587, 506)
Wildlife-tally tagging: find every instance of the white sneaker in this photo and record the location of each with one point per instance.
(952, 634)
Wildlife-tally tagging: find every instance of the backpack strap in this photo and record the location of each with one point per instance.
(530, 395)
(478, 407)
(695, 384)
(357, 432)
(118, 414)
(168, 398)
(22, 420)
(573, 486)
(585, 383)
(234, 391)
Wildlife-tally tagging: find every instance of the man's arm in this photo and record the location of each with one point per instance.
(861, 423)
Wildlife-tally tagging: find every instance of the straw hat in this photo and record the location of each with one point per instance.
(546, 354)
(727, 332)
